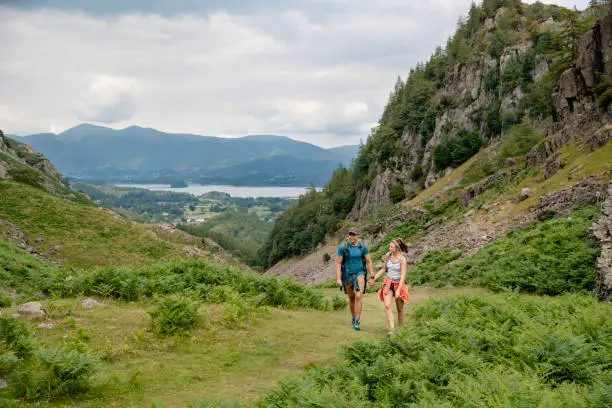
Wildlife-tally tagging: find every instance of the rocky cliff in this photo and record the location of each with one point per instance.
(20, 162)
(473, 97)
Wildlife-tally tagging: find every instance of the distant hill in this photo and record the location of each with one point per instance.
(144, 154)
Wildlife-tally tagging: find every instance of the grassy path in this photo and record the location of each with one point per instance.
(237, 364)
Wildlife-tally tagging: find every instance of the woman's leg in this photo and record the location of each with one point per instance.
(388, 300)
(400, 312)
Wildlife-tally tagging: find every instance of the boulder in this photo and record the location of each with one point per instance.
(525, 193)
(3, 383)
(91, 303)
(32, 309)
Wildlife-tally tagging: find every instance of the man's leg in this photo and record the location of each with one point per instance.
(361, 280)
(350, 292)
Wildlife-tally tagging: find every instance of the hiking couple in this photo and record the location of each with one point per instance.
(354, 259)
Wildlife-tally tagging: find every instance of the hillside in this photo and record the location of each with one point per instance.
(40, 214)
(510, 120)
(143, 154)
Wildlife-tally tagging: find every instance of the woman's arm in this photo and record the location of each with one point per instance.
(402, 277)
(381, 271)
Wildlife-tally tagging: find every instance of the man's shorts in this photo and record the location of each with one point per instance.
(350, 287)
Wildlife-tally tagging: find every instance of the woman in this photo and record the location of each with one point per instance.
(393, 287)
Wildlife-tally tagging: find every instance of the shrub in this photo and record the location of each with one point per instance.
(326, 258)
(5, 301)
(339, 302)
(173, 315)
(397, 193)
(454, 151)
(34, 372)
(27, 176)
(519, 140)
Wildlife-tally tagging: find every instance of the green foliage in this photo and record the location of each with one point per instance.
(34, 372)
(496, 351)
(190, 277)
(519, 140)
(26, 175)
(173, 315)
(605, 99)
(485, 166)
(5, 301)
(326, 258)
(339, 302)
(518, 72)
(552, 257)
(397, 193)
(21, 271)
(454, 151)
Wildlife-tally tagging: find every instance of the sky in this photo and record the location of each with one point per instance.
(318, 71)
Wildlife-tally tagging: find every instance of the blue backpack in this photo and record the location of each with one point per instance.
(346, 276)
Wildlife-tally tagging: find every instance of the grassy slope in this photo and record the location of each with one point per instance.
(210, 361)
(86, 236)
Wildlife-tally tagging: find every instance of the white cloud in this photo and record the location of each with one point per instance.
(318, 71)
(108, 100)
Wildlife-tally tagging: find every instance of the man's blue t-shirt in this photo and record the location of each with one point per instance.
(353, 264)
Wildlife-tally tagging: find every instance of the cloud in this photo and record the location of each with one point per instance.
(108, 100)
(319, 71)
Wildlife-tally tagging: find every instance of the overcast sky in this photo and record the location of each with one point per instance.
(314, 70)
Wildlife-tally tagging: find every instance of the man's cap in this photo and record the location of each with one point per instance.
(353, 232)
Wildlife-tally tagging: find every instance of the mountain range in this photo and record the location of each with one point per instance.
(138, 154)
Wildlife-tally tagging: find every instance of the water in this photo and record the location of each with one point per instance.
(234, 191)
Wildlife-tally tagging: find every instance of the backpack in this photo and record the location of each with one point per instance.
(345, 252)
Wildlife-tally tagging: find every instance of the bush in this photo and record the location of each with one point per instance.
(34, 372)
(454, 151)
(5, 301)
(174, 315)
(397, 193)
(519, 140)
(27, 176)
(339, 302)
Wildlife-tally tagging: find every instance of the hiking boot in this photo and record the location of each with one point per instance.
(356, 326)
(353, 323)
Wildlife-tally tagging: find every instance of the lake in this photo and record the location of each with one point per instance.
(234, 191)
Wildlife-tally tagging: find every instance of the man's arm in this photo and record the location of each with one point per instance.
(338, 270)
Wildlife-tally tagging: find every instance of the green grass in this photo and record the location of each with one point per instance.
(85, 236)
(20, 270)
(580, 165)
(138, 368)
(473, 351)
(551, 257)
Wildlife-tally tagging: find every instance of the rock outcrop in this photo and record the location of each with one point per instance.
(560, 203)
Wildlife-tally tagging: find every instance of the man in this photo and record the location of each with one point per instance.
(353, 253)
